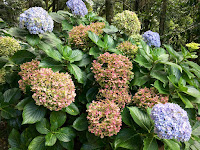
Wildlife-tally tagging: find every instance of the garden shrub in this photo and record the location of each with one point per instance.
(80, 92)
(8, 46)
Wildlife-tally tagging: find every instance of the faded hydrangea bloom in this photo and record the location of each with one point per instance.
(120, 96)
(8, 46)
(128, 22)
(112, 71)
(152, 38)
(53, 90)
(146, 97)
(171, 122)
(77, 7)
(26, 73)
(78, 36)
(36, 20)
(2, 75)
(128, 49)
(104, 118)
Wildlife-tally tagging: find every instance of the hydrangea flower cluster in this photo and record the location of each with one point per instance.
(146, 97)
(119, 96)
(78, 36)
(112, 71)
(2, 75)
(193, 46)
(26, 73)
(53, 90)
(104, 118)
(128, 49)
(8, 46)
(152, 38)
(128, 22)
(171, 122)
(77, 7)
(36, 20)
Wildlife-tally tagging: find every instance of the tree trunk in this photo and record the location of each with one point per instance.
(30, 3)
(46, 2)
(109, 10)
(124, 5)
(54, 6)
(137, 5)
(163, 17)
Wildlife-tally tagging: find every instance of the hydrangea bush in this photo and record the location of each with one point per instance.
(128, 22)
(77, 7)
(80, 92)
(104, 118)
(36, 20)
(8, 46)
(152, 38)
(146, 97)
(171, 122)
(78, 36)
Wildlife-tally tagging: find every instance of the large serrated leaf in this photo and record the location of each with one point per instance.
(37, 143)
(150, 143)
(12, 95)
(76, 55)
(51, 63)
(72, 109)
(14, 139)
(172, 144)
(57, 119)
(33, 113)
(81, 123)
(65, 134)
(50, 139)
(43, 126)
(22, 56)
(76, 71)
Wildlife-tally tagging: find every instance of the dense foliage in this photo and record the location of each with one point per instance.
(89, 85)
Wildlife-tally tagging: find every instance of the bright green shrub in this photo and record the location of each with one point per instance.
(128, 22)
(8, 46)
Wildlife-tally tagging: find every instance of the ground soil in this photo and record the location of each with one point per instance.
(3, 136)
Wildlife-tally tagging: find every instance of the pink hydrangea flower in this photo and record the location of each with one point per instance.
(112, 70)
(120, 96)
(27, 71)
(146, 97)
(104, 118)
(53, 90)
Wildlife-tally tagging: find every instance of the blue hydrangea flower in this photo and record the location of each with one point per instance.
(36, 20)
(77, 7)
(152, 38)
(171, 122)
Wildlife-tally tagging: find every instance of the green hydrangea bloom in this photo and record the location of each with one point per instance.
(8, 46)
(128, 22)
(2, 75)
(193, 46)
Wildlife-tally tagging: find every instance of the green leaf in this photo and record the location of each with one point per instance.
(91, 94)
(50, 139)
(22, 56)
(159, 86)
(51, 63)
(14, 139)
(129, 139)
(186, 101)
(160, 75)
(72, 109)
(109, 41)
(110, 29)
(65, 134)
(51, 39)
(186, 69)
(33, 39)
(22, 103)
(76, 55)
(126, 117)
(33, 113)
(81, 123)
(57, 17)
(173, 53)
(37, 143)
(54, 54)
(68, 145)
(172, 144)
(172, 64)
(3, 61)
(143, 61)
(139, 79)
(141, 118)
(43, 126)
(8, 112)
(84, 61)
(192, 91)
(17, 32)
(67, 51)
(76, 71)
(12, 95)
(95, 38)
(196, 129)
(95, 51)
(150, 143)
(66, 25)
(57, 119)
(193, 65)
